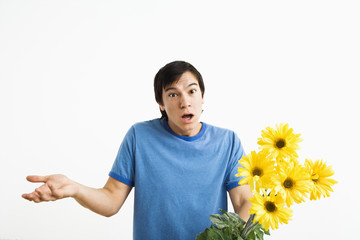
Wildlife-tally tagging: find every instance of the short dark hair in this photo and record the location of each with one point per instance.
(171, 73)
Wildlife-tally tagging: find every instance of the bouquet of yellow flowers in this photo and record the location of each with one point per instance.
(277, 180)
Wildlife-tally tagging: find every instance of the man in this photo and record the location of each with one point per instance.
(180, 167)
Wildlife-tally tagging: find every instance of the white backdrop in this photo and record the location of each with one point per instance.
(75, 75)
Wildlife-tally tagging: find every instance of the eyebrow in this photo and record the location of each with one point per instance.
(174, 88)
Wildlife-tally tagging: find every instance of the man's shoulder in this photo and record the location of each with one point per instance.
(148, 125)
(219, 130)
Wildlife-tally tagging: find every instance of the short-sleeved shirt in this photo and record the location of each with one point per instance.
(179, 181)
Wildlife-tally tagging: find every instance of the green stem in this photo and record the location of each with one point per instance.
(249, 225)
(250, 228)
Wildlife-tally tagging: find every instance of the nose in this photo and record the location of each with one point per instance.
(185, 101)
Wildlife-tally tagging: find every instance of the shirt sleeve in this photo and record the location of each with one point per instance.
(237, 152)
(123, 168)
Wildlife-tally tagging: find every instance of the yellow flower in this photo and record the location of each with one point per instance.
(279, 143)
(257, 170)
(269, 210)
(293, 182)
(320, 174)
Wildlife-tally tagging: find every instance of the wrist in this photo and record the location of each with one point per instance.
(77, 189)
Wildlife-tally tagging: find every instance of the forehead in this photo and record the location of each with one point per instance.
(185, 80)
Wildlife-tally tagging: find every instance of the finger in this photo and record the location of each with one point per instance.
(42, 193)
(26, 196)
(35, 178)
(32, 197)
(36, 197)
(55, 192)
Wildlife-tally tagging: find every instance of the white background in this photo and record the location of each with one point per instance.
(75, 75)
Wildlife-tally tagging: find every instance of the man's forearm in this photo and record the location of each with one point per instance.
(243, 210)
(97, 200)
(105, 201)
(240, 199)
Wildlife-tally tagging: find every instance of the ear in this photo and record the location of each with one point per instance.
(162, 107)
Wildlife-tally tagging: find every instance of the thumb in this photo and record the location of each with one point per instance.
(57, 193)
(35, 178)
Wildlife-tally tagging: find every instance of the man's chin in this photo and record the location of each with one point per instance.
(185, 129)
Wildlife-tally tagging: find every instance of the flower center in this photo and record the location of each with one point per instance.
(257, 172)
(270, 206)
(288, 183)
(280, 143)
(315, 177)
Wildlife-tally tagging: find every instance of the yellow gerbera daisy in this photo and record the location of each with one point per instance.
(279, 143)
(257, 170)
(269, 210)
(293, 182)
(320, 174)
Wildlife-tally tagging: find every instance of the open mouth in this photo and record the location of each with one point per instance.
(187, 116)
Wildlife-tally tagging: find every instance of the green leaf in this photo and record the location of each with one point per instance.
(220, 221)
(263, 230)
(217, 234)
(239, 238)
(227, 231)
(227, 219)
(234, 217)
(266, 232)
(203, 235)
(211, 233)
(227, 226)
(251, 236)
(257, 233)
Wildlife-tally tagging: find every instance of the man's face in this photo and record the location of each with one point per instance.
(182, 102)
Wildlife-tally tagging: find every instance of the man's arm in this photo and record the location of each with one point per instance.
(105, 201)
(240, 199)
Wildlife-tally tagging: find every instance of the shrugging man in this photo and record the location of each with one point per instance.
(181, 168)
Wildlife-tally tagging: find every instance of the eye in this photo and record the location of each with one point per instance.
(193, 91)
(172, 95)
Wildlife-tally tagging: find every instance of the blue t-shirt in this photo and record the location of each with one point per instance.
(179, 181)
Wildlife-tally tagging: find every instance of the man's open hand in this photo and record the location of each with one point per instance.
(55, 187)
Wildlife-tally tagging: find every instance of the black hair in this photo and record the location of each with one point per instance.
(169, 74)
